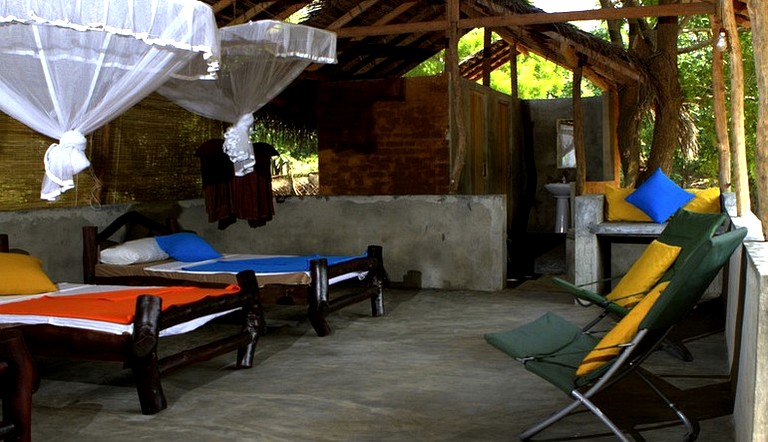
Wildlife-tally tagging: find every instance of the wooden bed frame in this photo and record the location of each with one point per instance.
(317, 295)
(138, 350)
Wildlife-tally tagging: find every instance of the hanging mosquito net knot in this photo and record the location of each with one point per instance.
(237, 144)
(258, 61)
(62, 161)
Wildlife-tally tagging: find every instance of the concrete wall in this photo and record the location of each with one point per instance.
(747, 337)
(451, 242)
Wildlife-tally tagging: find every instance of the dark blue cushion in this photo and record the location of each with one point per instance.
(659, 197)
(187, 247)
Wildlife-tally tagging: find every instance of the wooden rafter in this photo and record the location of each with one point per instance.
(393, 14)
(532, 19)
(346, 18)
(387, 18)
(220, 5)
(261, 7)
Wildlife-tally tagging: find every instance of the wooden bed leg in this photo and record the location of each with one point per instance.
(17, 389)
(143, 357)
(377, 298)
(90, 253)
(253, 318)
(317, 295)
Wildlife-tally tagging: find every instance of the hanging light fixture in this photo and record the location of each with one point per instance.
(722, 41)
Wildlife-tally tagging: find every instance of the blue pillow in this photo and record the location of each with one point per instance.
(659, 197)
(187, 247)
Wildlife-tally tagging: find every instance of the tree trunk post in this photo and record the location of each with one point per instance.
(578, 132)
(738, 147)
(758, 13)
(452, 66)
(721, 113)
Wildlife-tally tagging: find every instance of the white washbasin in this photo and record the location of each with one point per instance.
(559, 189)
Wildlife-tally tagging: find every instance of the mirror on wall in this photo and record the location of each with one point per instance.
(566, 153)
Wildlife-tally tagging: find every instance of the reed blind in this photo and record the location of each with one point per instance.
(145, 155)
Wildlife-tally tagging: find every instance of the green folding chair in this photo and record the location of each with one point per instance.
(685, 229)
(558, 350)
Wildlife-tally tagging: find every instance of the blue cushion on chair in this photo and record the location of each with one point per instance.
(659, 197)
(187, 247)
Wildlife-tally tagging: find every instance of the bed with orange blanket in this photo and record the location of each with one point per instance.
(126, 323)
(326, 284)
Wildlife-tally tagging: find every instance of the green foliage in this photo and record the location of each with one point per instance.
(297, 146)
(538, 78)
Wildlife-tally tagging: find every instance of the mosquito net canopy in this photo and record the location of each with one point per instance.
(258, 60)
(68, 67)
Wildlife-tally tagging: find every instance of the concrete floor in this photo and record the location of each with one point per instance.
(423, 372)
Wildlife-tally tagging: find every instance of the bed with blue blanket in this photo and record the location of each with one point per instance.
(323, 283)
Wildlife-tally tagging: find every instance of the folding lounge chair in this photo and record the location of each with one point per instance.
(686, 230)
(555, 349)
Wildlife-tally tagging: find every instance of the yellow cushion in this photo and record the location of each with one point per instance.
(623, 332)
(644, 274)
(23, 275)
(704, 200)
(617, 209)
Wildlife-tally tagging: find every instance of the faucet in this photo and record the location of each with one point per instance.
(564, 180)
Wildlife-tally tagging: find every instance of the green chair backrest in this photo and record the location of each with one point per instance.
(689, 230)
(691, 280)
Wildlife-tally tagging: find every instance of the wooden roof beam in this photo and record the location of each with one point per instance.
(354, 12)
(677, 9)
(393, 14)
(261, 7)
(220, 5)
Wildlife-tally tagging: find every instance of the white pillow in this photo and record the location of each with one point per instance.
(133, 252)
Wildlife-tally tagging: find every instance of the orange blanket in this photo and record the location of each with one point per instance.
(116, 306)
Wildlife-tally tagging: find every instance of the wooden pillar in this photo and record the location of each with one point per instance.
(578, 132)
(452, 66)
(758, 13)
(487, 56)
(513, 88)
(721, 114)
(738, 147)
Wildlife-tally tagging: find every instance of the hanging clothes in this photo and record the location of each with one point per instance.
(229, 197)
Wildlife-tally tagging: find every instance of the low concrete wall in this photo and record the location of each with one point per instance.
(747, 337)
(447, 242)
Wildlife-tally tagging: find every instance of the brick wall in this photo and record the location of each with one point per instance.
(384, 137)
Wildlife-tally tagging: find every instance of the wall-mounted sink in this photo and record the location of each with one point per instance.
(559, 189)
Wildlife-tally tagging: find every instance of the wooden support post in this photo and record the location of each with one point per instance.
(457, 106)
(721, 113)
(487, 56)
(578, 132)
(738, 146)
(758, 13)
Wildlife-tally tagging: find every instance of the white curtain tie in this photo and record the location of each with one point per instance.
(237, 144)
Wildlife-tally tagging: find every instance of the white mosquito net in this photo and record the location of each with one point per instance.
(68, 67)
(258, 61)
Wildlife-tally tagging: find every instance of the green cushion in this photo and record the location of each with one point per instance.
(557, 345)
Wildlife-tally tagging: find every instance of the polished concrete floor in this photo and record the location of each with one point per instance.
(422, 372)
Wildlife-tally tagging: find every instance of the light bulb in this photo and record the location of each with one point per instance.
(722, 42)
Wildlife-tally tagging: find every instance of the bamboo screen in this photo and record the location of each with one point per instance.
(146, 154)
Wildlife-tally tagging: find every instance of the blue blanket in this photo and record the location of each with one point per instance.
(281, 264)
